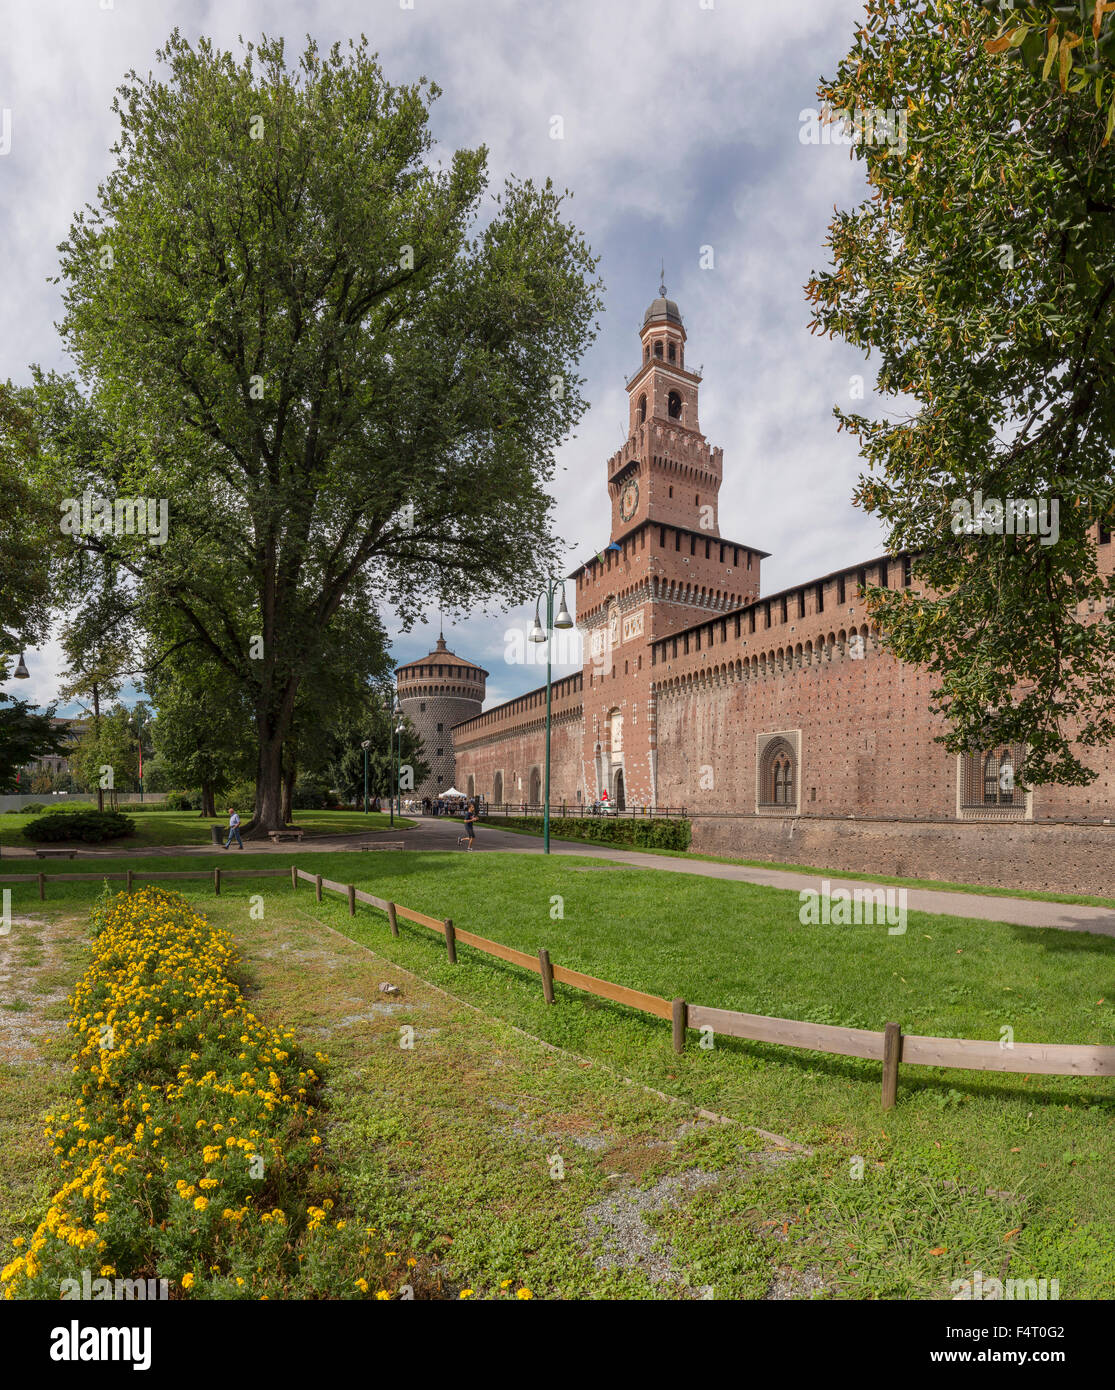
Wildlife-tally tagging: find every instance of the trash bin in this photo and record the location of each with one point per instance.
(218, 834)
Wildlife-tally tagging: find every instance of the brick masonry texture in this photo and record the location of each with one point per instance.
(692, 682)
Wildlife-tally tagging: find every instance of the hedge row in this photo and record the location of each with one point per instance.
(614, 830)
(190, 1149)
(89, 826)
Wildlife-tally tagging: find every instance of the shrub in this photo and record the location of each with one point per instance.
(189, 1148)
(651, 833)
(310, 794)
(243, 796)
(91, 827)
(183, 801)
(33, 806)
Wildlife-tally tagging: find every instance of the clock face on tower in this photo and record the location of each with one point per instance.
(629, 500)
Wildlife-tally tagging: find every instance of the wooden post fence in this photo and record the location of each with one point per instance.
(892, 1055)
(890, 1047)
(547, 973)
(680, 1021)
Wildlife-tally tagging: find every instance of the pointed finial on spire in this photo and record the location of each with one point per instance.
(662, 281)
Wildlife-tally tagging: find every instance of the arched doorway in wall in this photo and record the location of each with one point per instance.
(618, 797)
(535, 792)
(497, 789)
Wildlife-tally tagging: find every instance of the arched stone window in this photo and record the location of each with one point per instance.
(673, 405)
(471, 788)
(658, 349)
(778, 775)
(642, 408)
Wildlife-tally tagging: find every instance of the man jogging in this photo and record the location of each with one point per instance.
(233, 828)
(470, 826)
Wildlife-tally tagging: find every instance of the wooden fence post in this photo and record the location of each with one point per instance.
(217, 882)
(129, 880)
(681, 1019)
(42, 886)
(294, 875)
(393, 921)
(547, 974)
(450, 941)
(892, 1054)
(352, 899)
(317, 886)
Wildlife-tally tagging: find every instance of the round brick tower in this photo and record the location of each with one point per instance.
(436, 692)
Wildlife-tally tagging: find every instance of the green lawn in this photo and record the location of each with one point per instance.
(1036, 895)
(1044, 1147)
(188, 828)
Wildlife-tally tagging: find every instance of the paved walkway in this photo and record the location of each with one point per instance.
(441, 834)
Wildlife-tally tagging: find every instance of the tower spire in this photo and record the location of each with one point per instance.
(662, 279)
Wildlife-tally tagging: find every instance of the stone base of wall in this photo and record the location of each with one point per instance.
(1058, 857)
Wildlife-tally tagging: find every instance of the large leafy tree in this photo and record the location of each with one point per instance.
(29, 523)
(25, 735)
(325, 350)
(981, 272)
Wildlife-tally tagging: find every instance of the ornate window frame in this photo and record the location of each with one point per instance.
(773, 751)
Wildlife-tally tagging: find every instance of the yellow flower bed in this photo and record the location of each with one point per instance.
(190, 1150)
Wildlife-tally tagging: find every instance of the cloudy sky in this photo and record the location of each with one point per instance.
(680, 123)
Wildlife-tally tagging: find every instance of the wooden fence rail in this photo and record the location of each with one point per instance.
(890, 1046)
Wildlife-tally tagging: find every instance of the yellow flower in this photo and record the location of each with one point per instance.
(524, 1294)
(466, 1293)
(505, 1283)
(200, 1203)
(383, 1294)
(411, 1263)
(187, 1281)
(362, 1285)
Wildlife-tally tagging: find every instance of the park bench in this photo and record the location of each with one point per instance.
(56, 854)
(279, 836)
(382, 844)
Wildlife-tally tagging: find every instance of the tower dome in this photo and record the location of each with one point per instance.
(663, 308)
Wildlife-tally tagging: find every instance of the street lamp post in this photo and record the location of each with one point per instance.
(399, 762)
(366, 745)
(562, 621)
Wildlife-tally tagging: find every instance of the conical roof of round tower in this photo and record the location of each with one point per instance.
(441, 653)
(663, 308)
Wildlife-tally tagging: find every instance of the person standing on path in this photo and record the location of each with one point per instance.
(233, 828)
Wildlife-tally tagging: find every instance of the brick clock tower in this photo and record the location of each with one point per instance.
(665, 567)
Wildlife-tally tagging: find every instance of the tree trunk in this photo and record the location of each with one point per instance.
(97, 735)
(208, 805)
(269, 789)
(288, 794)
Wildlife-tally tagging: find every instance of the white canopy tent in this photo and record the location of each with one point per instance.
(451, 792)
